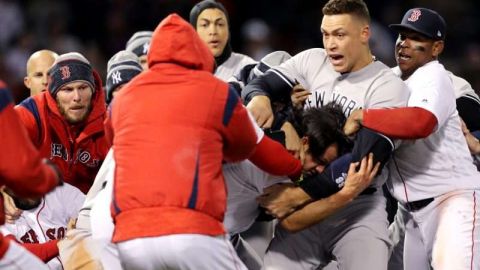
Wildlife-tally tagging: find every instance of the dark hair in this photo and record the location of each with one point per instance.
(354, 7)
(324, 127)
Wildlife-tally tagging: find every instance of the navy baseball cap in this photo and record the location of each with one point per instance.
(424, 21)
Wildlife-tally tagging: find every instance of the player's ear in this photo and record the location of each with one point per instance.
(437, 48)
(304, 141)
(26, 82)
(365, 33)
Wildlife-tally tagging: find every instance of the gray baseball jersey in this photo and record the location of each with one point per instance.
(49, 220)
(234, 63)
(374, 86)
(245, 182)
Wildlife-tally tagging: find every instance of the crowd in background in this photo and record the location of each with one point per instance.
(99, 29)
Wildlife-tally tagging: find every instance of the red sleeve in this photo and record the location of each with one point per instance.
(45, 251)
(29, 123)
(108, 126)
(21, 168)
(240, 136)
(273, 158)
(401, 123)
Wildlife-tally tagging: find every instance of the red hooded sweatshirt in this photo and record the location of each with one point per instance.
(173, 126)
(78, 150)
(21, 168)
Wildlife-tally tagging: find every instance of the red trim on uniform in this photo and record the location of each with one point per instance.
(44, 251)
(473, 228)
(401, 123)
(38, 213)
(4, 244)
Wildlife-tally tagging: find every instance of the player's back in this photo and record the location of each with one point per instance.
(173, 127)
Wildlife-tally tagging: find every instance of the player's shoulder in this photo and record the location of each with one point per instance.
(242, 59)
(431, 73)
(462, 87)
(313, 53)
(63, 193)
(430, 70)
(382, 74)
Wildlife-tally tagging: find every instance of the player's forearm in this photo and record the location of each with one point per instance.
(273, 158)
(400, 123)
(473, 143)
(44, 251)
(315, 212)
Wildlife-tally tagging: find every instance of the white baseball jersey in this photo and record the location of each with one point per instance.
(374, 86)
(460, 86)
(232, 66)
(441, 162)
(49, 220)
(19, 258)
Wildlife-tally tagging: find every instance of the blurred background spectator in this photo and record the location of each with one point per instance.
(100, 28)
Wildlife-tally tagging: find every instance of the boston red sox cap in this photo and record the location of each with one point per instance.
(67, 68)
(424, 21)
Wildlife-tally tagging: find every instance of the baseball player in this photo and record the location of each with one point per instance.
(245, 182)
(347, 74)
(45, 219)
(66, 122)
(22, 171)
(121, 68)
(468, 104)
(139, 44)
(203, 123)
(210, 20)
(37, 68)
(433, 177)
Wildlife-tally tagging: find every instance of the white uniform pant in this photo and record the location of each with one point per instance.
(445, 234)
(18, 258)
(179, 251)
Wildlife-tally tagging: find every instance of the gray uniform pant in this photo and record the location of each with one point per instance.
(356, 237)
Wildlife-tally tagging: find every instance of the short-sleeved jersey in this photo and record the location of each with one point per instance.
(234, 63)
(374, 86)
(441, 162)
(48, 221)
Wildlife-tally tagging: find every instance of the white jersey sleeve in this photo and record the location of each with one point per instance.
(434, 91)
(72, 200)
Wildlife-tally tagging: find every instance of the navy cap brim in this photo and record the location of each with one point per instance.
(400, 27)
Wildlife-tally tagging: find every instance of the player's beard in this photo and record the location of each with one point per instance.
(74, 120)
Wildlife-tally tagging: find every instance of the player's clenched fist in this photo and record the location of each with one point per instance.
(353, 123)
(280, 200)
(261, 109)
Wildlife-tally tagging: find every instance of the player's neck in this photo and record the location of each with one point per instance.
(366, 59)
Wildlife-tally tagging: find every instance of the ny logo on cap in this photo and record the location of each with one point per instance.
(65, 72)
(146, 46)
(415, 15)
(116, 77)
